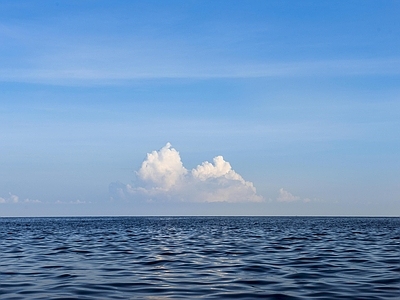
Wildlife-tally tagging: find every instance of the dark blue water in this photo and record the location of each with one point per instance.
(200, 257)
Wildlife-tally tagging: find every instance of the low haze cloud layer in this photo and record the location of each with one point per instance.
(10, 199)
(14, 199)
(162, 177)
(286, 196)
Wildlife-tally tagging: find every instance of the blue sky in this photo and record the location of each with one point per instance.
(301, 98)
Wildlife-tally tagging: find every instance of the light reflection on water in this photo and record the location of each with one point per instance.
(193, 257)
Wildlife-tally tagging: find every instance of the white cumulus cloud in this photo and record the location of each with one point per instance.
(162, 169)
(163, 177)
(220, 168)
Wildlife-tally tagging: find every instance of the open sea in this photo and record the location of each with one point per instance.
(200, 257)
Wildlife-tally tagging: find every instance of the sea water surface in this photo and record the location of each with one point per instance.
(200, 257)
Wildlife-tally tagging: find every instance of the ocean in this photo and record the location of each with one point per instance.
(200, 257)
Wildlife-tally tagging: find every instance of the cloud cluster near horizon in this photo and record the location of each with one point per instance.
(15, 199)
(162, 177)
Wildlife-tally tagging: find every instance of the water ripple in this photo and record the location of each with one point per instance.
(199, 257)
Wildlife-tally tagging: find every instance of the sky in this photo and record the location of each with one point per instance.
(199, 108)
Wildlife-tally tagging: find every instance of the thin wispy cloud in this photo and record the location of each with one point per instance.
(69, 74)
(59, 57)
(162, 177)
